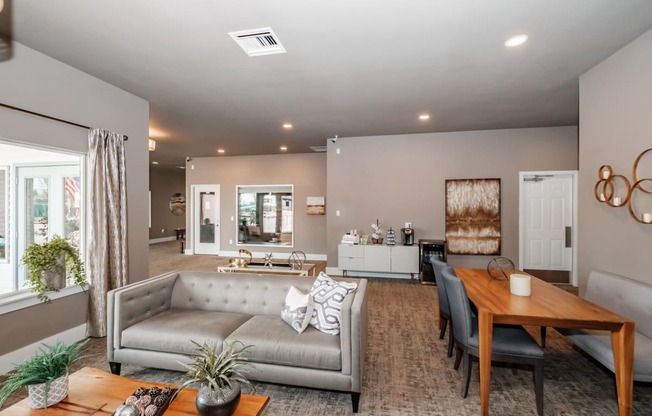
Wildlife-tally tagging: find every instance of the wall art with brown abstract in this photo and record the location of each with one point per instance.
(473, 216)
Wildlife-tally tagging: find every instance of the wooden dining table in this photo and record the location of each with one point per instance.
(548, 305)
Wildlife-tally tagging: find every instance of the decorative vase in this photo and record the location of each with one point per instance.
(210, 403)
(56, 279)
(54, 392)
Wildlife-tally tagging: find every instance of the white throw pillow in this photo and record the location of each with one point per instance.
(297, 309)
(328, 296)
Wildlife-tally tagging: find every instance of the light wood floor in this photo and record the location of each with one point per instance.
(166, 257)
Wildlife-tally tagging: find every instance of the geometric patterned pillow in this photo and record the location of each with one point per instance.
(328, 296)
(297, 309)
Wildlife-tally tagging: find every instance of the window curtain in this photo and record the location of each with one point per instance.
(107, 260)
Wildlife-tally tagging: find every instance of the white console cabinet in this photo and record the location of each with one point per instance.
(378, 259)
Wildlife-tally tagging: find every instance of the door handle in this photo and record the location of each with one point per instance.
(568, 237)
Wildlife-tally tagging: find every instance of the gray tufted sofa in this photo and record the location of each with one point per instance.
(150, 323)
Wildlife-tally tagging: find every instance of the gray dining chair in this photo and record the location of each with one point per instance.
(511, 344)
(444, 309)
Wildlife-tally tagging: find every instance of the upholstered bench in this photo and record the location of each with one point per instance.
(625, 297)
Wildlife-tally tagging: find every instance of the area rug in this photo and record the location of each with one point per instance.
(407, 371)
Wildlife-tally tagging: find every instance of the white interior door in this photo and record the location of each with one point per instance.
(206, 219)
(547, 222)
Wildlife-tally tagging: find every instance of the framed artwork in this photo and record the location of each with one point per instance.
(316, 205)
(473, 216)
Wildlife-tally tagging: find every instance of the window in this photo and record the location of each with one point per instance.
(44, 199)
(265, 214)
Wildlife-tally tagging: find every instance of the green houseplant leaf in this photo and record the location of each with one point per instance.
(49, 363)
(217, 371)
(41, 258)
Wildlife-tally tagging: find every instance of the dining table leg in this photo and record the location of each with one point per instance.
(485, 334)
(622, 344)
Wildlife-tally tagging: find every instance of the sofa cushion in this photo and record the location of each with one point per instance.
(274, 342)
(297, 309)
(328, 296)
(598, 345)
(172, 330)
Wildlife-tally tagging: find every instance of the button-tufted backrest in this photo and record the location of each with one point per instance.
(623, 296)
(235, 292)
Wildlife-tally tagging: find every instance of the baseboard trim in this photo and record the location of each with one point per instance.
(162, 240)
(69, 336)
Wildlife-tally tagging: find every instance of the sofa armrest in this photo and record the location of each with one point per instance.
(134, 303)
(354, 337)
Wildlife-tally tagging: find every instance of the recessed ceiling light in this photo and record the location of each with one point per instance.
(424, 117)
(287, 126)
(516, 41)
(181, 167)
(284, 148)
(154, 163)
(220, 150)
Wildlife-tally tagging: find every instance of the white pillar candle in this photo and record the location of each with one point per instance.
(617, 201)
(647, 217)
(602, 198)
(520, 284)
(605, 174)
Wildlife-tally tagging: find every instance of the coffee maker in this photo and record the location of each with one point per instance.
(407, 234)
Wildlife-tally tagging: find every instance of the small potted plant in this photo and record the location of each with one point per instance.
(220, 377)
(51, 264)
(45, 375)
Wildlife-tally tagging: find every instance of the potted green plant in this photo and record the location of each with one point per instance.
(51, 264)
(45, 375)
(220, 377)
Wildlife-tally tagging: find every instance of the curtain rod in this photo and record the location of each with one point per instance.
(11, 107)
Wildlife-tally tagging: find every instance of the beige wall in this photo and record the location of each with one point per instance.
(36, 82)
(163, 183)
(615, 127)
(306, 171)
(399, 179)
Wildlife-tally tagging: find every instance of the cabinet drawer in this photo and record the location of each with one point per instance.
(350, 263)
(348, 250)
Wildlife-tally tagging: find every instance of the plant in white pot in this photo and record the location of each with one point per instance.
(51, 264)
(45, 375)
(220, 377)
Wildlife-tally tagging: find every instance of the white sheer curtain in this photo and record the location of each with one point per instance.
(107, 253)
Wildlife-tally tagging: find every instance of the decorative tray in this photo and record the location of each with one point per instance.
(144, 401)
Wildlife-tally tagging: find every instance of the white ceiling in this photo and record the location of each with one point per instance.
(352, 68)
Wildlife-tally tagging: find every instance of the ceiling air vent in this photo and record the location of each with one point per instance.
(258, 42)
(318, 149)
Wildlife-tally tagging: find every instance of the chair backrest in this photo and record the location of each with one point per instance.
(460, 307)
(438, 267)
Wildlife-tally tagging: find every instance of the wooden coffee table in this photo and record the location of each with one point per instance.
(95, 392)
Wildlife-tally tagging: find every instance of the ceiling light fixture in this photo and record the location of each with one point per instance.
(424, 117)
(516, 41)
(220, 150)
(152, 145)
(284, 148)
(154, 163)
(287, 126)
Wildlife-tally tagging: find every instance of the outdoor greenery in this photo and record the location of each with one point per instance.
(217, 371)
(49, 363)
(40, 258)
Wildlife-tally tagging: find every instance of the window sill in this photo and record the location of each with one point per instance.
(25, 298)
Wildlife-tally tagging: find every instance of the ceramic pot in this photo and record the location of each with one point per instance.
(210, 403)
(55, 391)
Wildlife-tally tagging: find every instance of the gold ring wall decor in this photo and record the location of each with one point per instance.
(606, 189)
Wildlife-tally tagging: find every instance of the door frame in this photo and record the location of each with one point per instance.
(190, 230)
(521, 209)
